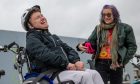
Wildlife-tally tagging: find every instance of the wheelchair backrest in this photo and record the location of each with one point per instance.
(28, 63)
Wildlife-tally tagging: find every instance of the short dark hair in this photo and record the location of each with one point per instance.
(115, 13)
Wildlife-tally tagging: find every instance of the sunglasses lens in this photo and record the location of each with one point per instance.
(107, 14)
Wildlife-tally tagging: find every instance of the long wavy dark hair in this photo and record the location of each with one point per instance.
(115, 13)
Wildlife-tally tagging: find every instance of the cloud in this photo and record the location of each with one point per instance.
(72, 18)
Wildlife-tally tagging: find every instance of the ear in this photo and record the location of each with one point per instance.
(30, 26)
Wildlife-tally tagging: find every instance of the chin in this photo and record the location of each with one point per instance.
(108, 22)
(45, 27)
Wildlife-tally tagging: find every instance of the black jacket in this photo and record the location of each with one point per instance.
(47, 50)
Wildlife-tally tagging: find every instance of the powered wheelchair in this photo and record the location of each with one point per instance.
(30, 77)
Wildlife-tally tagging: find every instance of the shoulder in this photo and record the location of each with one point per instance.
(96, 28)
(125, 26)
(32, 35)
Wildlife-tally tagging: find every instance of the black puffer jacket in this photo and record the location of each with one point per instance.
(46, 50)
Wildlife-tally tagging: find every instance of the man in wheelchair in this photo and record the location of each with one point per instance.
(48, 53)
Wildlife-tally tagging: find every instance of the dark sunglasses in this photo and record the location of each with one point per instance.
(106, 14)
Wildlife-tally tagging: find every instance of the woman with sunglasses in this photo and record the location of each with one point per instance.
(113, 43)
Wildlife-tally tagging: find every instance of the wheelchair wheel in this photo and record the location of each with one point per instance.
(30, 80)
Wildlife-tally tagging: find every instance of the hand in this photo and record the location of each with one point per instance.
(81, 47)
(115, 66)
(79, 65)
(71, 66)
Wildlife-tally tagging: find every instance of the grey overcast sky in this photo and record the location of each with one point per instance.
(72, 18)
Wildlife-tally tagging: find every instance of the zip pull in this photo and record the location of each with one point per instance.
(53, 41)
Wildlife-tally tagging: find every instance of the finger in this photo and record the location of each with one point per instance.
(73, 68)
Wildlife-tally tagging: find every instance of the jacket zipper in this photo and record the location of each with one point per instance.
(53, 41)
(60, 47)
(64, 53)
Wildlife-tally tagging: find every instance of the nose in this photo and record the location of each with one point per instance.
(43, 18)
(107, 15)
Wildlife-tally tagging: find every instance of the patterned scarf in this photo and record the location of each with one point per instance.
(104, 28)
